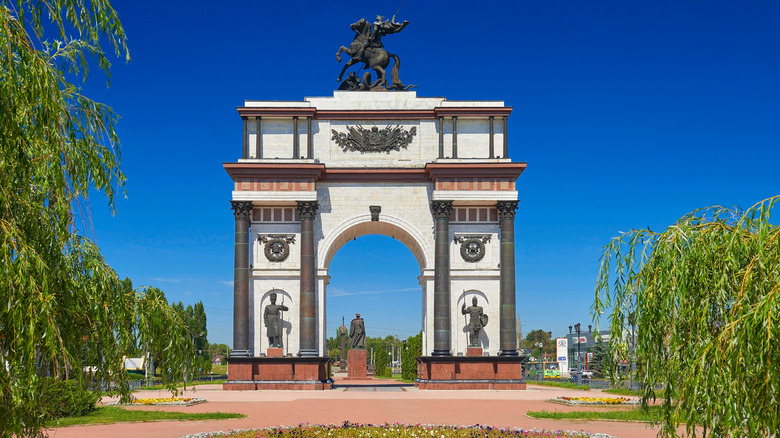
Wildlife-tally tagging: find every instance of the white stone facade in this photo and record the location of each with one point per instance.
(403, 183)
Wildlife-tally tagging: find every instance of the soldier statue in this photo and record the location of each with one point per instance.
(477, 320)
(357, 333)
(273, 322)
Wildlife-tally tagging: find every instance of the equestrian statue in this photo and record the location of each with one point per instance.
(367, 47)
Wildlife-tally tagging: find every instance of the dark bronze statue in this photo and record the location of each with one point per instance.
(273, 322)
(477, 320)
(367, 47)
(357, 333)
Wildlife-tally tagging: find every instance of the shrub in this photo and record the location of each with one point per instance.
(412, 350)
(67, 398)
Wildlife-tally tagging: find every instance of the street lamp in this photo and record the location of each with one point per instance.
(578, 374)
(541, 368)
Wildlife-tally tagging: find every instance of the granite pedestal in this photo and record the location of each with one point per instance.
(357, 365)
(473, 371)
(290, 373)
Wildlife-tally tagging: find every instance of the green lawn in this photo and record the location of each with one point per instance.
(113, 414)
(559, 384)
(637, 414)
(396, 377)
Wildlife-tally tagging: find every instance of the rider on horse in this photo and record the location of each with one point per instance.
(379, 28)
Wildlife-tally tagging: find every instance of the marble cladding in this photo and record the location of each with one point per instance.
(343, 215)
(344, 206)
(277, 132)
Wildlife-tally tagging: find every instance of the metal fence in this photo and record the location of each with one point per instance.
(140, 383)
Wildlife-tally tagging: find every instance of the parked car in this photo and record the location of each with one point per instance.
(586, 374)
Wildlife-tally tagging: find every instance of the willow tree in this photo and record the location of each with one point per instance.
(704, 295)
(64, 312)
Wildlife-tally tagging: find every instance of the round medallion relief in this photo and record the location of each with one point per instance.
(277, 250)
(472, 250)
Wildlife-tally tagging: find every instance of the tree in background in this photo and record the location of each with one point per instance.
(411, 351)
(219, 350)
(65, 312)
(542, 336)
(382, 363)
(705, 298)
(601, 356)
(195, 318)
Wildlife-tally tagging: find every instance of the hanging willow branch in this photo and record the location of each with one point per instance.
(64, 313)
(705, 296)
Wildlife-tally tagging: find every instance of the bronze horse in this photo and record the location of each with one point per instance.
(376, 58)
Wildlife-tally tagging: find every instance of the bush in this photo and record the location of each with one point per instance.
(412, 350)
(67, 398)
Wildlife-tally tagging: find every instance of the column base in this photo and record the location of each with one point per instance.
(441, 353)
(470, 372)
(308, 353)
(509, 353)
(281, 373)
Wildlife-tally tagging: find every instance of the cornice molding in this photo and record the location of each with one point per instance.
(258, 170)
(469, 170)
(381, 114)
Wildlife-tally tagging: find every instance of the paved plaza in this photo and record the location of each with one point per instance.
(376, 401)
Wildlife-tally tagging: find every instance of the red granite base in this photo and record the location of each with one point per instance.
(474, 352)
(287, 373)
(274, 352)
(356, 365)
(469, 372)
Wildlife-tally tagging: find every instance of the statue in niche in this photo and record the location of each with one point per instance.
(357, 333)
(477, 320)
(273, 322)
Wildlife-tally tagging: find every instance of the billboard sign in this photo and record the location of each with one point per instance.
(562, 352)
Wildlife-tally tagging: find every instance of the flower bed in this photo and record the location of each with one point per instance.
(162, 401)
(396, 430)
(594, 400)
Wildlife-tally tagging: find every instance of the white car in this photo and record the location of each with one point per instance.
(586, 374)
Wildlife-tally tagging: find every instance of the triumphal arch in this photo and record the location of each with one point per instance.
(434, 174)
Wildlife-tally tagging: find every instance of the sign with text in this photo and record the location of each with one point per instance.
(562, 352)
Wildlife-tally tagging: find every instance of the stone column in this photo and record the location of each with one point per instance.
(259, 138)
(454, 137)
(244, 151)
(296, 141)
(441, 137)
(242, 210)
(506, 139)
(507, 323)
(491, 147)
(441, 283)
(309, 142)
(307, 322)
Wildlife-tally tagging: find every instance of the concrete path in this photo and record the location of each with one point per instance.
(378, 401)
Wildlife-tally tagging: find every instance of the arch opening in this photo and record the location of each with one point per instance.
(363, 225)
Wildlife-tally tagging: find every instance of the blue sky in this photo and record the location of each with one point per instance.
(629, 114)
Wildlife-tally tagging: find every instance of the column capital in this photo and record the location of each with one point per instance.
(242, 209)
(307, 209)
(506, 209)
(441, 209)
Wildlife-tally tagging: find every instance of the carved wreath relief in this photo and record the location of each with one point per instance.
(361, 139)
(277, 246)
(472, 248)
